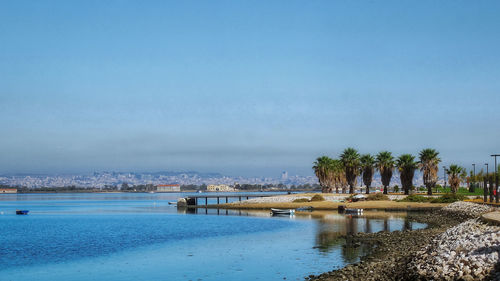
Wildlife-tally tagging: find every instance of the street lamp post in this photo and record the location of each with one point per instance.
(473, 180)
(486, 184)
(496, 177)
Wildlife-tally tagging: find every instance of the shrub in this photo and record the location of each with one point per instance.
(317, 197)
(396, 188)
(449, 198)
(300, 200)
(377, 197)
(415, 198)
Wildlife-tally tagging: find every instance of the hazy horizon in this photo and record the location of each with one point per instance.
(243, 87)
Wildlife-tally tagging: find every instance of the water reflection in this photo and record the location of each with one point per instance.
(334, 230)
(329, 221)
(224, 212)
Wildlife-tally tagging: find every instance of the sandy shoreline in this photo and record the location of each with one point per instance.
(332, 202)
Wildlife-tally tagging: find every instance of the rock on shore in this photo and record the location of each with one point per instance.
(467, 209)
(468, 251)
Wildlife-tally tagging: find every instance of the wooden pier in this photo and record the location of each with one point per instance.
(195, 200)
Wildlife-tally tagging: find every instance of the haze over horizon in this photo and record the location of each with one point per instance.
(244, 87)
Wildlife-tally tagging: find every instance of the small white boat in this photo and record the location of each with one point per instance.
(282, 212)
(344, 210)
(172, 203)
(359, 197)
(353, 211)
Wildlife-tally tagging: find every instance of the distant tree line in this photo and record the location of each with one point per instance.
(23, 189)
(125, 187)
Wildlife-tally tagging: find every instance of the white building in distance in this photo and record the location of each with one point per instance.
(168, 188)
(219, 187)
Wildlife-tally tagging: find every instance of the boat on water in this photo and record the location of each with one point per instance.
(172, 203)
(343, 209)
(22, 212)
(353, 211)
(276, 212)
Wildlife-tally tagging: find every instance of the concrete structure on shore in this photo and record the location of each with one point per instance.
(219, 187)
(8, 190)
(168, 188)
(492, 217)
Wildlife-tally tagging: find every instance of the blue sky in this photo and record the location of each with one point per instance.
(244, 87)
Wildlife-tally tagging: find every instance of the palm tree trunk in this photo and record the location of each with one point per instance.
(385, 189)
(367, 189)
(429, 190)
(407, 189)
(351, 189)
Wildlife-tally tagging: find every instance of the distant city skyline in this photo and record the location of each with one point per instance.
(104, 179)
(250, 88)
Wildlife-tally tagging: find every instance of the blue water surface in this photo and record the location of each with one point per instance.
(140, 237)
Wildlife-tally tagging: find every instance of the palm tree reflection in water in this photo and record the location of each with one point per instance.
(333, 235)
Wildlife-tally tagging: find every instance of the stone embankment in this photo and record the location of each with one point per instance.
(456, 246)
(466, 210)
(468, 251)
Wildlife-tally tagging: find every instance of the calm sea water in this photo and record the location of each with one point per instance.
(134, 236)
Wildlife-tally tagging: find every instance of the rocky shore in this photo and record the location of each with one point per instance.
(455, 246)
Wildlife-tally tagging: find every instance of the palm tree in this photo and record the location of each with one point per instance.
(350, 160)
(336, 174)
(456, 175)
(429, 165)
(385, 165)
(321, 166)
(330, 173)
(367, 167)
(406, 166)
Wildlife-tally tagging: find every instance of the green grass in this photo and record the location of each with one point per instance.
(415, 198)
(449, 198)
(446, 198)
(317, 197)
(377, 197)
(463, 191)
